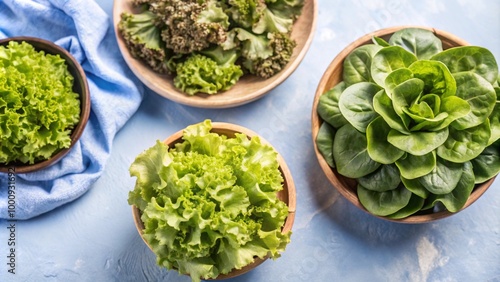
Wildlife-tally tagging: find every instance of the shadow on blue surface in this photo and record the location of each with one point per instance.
(361, 225)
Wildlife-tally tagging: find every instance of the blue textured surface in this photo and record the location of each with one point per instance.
(94, 238)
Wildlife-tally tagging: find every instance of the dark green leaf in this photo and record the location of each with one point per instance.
(465, 145)
(350, 153)
(421, 42)
(487, 164)
(470, 58)
(384, 203)
(444, 177)
(328, 106)
(385, 178)
(414, 205)
(457, 198)
(324, 141)
(356, 104)
(495, 119)
(379, 149)
(415, 187)
(480, 95)
(357, 65)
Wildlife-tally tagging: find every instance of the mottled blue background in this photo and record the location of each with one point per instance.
(94, 238)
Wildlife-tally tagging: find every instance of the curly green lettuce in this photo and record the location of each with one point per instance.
(417, 126)
(38, 108)
(209, 204)
(208, 73)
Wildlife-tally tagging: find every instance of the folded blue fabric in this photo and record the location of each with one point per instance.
(85, 30)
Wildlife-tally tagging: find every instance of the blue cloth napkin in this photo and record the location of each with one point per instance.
(85, 30)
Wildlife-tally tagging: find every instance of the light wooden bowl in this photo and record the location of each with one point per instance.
(332, 76)
(286, 195)
(249, 88)
(80, 86)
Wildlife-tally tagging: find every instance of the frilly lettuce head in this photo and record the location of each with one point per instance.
(38, 108)
(209, 205)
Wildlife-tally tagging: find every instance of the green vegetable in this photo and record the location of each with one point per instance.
(487, 164)
(168, 33)
(389, 59)
(379, 149)
(384, 203)
(350, 153)
(202, 73)
(423, 43)
(357, 65)
(324, 140)
(385, 178)
(455, 200)
(357, 104)
(417, 126)
(38, 108)
(209, 204)
(143, 38)
(189, 26)
(328, 106)
(475, 59)
(411, 166)
(414, 205)
(480, 95)
(245, 13)
(282, 49)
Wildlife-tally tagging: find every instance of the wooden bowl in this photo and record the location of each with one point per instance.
(80, 86)
(286, 195)
(249, 88)
(332, 76)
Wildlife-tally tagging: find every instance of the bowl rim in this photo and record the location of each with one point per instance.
(78, 73)
(289, 191)
(339, 181)
(221, 99)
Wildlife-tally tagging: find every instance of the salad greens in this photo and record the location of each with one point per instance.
(209, 205)
(414, 124)
(38, 108)
(176, 37)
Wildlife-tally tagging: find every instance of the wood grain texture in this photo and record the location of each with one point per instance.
(249, 88)
(287, 195)
(80, 86)
(332, 76)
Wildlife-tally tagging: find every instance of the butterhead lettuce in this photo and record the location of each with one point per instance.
(38, 108)
(415, 125)
(209, 205)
